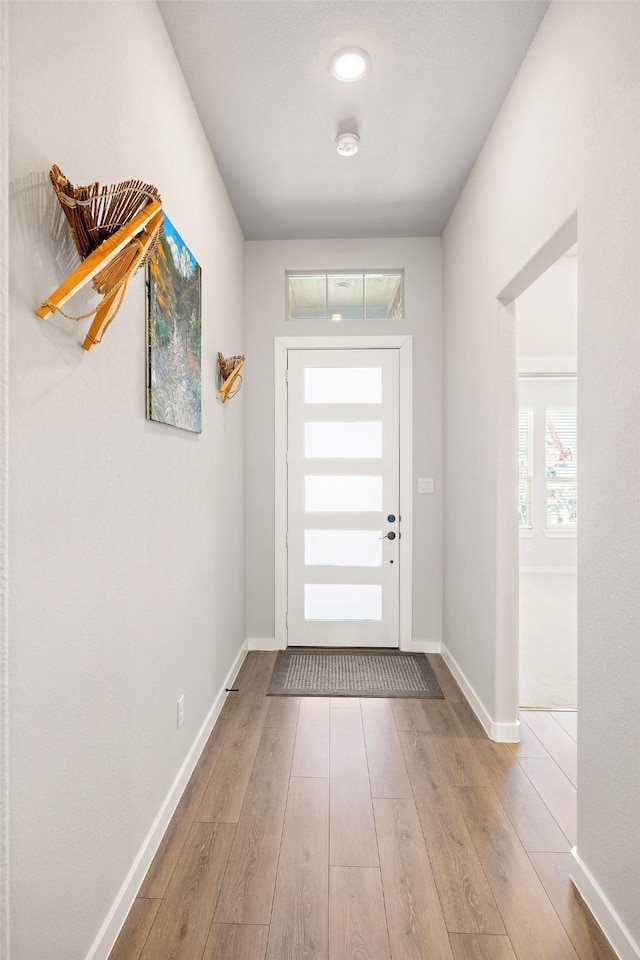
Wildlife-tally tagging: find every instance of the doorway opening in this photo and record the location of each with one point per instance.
(546, 351)
(546, 334)
(507, 699)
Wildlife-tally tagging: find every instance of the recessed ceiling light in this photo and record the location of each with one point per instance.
(347, 144)
(349, 64)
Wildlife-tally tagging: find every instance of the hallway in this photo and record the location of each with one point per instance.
(352, 829)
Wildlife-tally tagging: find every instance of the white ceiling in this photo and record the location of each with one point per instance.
(258, 71)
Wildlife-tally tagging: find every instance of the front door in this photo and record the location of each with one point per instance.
(343, 465)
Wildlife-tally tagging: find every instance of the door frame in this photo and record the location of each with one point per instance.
(404, 345)
(505, 723)
(4, 482)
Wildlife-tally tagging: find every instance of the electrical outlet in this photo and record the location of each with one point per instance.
(180, 711)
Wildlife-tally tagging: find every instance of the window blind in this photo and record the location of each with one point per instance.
(561, 466)
(525, 467)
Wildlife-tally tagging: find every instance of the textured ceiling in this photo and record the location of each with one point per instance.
(258, 73)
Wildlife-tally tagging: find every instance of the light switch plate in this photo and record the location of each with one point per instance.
(425, 484)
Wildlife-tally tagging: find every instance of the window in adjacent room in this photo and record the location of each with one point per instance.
(561, 467)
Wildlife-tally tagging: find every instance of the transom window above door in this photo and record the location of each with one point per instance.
(345, 295)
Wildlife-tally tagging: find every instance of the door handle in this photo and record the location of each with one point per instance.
(389, 536)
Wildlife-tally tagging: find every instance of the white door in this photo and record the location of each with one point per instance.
(343, 498)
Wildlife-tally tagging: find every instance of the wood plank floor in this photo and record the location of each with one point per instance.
(340, 829)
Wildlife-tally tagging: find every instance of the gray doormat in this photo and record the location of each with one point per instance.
(338, 673)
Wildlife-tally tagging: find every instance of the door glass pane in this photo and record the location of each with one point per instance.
(343, 385)
(343, 548)
(342, 494)
(345, 438)
(345, 297)
(342, 601)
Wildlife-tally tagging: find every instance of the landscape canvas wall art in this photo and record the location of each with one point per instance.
(174, 333)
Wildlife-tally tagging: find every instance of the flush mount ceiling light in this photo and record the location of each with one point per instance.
(347, 144)
(349, 64)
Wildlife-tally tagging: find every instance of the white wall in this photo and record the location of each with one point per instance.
(126, 537)
(266, 263)
(566, 140)
(547, 321)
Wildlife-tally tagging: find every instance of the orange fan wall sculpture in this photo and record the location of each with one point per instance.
(114, 229)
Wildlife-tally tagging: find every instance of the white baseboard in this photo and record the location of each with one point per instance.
(264, 643)
(608, 920)
(422, 646)
(501, 732)
(108, 933)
